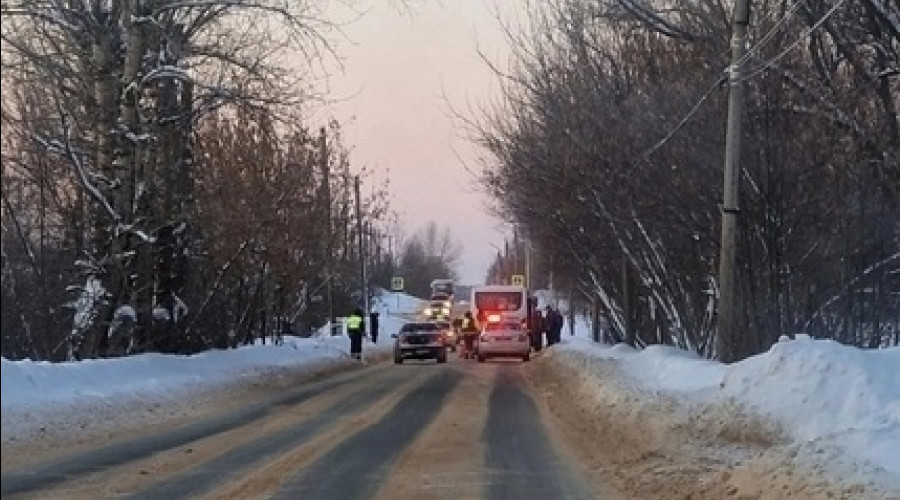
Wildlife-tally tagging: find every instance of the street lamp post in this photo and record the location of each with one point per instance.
(528, 265)
(363, 286)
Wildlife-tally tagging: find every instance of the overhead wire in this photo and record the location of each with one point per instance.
(766, 65)
(771, 33)
(719, 81)
(795, 6)
(681, 123)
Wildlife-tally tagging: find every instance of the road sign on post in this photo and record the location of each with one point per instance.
(518, 280)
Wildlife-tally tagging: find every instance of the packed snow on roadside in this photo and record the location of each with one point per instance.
(839, 406)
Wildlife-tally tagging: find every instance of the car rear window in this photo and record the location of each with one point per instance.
(418, 327)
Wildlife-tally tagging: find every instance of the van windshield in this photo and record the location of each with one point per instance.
(493, 327)
(498, 301)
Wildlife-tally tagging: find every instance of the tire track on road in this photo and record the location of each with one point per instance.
(266, 479)
(347, 474)
(520, 457)
(250, 455)
(445, 461)
(130, 465)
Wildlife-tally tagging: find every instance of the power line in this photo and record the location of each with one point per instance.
(769, 63)
(690, 114)
(751, 51)
(771, 33)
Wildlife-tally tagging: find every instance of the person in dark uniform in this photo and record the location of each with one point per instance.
(356, 326)
(373, 326)
(537, 330)
(554, 322)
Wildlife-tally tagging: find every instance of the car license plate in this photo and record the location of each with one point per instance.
(504, 338)
(423, 351)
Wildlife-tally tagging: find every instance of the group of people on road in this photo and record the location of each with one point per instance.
(553, 325)
(550, 324)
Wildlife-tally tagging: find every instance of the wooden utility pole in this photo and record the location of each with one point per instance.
(726, 334)
(329, 248)
(528, 283)
(363, 288)
(507, 263)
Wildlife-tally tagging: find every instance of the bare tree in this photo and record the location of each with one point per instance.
(607, 150)
(124, 82)
(430, 253)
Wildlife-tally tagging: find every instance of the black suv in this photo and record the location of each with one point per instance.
(420, 340)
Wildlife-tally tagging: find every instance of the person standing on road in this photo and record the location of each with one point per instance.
(537, 330)
(554, 322)
(355, 329)
(469, 331)
(548, 320)
(373, 326)
(558, 325)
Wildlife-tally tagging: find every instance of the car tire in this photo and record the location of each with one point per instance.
(442, 358)
(398, 360)
(482, 359)
(526, 357)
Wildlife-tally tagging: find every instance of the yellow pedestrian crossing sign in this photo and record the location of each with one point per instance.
(518, 280)
(397, 284)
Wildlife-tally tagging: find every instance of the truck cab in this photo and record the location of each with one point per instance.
(438, 310)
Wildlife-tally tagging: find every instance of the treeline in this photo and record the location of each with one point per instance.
(162, 188)
(606, 152)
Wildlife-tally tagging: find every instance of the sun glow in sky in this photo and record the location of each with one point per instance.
(408, 67)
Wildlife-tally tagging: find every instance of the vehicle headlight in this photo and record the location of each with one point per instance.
(428, 311)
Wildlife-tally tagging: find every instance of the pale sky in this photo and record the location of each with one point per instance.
(406, 64)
